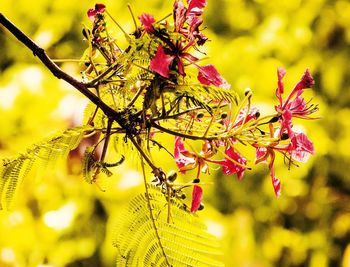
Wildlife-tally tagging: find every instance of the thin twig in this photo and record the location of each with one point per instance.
(55, 70)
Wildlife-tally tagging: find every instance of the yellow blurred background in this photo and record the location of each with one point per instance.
(59, 220)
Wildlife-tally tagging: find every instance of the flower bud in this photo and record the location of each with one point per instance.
(247, 91)
(201, 206)
(274, 119)
(284, 136)
(224, 115)
(172, 175)
(200, 115)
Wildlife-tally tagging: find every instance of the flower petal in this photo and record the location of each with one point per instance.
(100, 8)
(280, 86)
(92, 12)
(234, 163)
(300, 147)
(261, 155)
(147, 20)
(208, 75)
(252, 115)
(181, 158)
(276, 183)
(161, 61)
(197, 194)
(195, 7)
(179, 14)
(306, 82)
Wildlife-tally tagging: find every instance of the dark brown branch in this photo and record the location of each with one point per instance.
(55, 70)
(81, 87)
(183, 135)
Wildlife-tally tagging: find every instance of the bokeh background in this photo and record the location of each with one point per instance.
(59, 220)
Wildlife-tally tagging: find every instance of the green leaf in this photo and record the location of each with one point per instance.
(42, 154)
(145, 238)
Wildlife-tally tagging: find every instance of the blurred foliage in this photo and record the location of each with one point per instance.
(61, 221)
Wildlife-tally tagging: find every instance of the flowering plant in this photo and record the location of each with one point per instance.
(157, 84)
(168, 96)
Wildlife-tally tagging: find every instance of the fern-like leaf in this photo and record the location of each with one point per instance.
(145, 238)
(48, 152)
(88, 162)
(205, 93)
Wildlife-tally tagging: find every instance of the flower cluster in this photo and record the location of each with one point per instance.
(173, 49)
(153, 77)
(295, 146)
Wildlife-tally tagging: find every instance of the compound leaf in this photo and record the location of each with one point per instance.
(145, 238)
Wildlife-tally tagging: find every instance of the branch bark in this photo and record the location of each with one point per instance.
(55, 70)
(112, 114)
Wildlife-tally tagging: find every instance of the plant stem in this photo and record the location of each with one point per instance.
(55, 70)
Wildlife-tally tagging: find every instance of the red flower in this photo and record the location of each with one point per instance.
(92, 12)
(161, 62)
(194, 23)
(233, 163)
(179, 15)
(243, 116)
(197, 194)
(190, 15)
(276, 183)
(294, 105)
(186, 160)
(300, 147)
(267, 155)
(195, 7)
(182, 156)
(147, 20)
(208, 75)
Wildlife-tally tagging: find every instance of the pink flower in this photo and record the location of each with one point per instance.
(267, 155)
(233, 163)
(280, 86)
(161, 61)
(300, 147)
(243, 116)
(147, 20)
(194, 23)
(182, 156)
(186, 160)
(179, 15)
(195, 7)
(276, 183)
(197, 194)
(294, 105)
(189, 15)
(208, 75)
(92, 12)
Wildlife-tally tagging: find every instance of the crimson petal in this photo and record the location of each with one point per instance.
(301, 147)
(197, 194)
(147, 20)
(276, 183)
(92, 12)
(195, 7)
(181, 159)
(161, 62)
(306, 82)
(208, 75)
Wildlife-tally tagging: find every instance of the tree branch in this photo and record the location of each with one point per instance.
(55, 70)
(112, 114)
